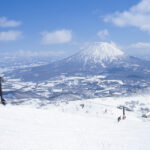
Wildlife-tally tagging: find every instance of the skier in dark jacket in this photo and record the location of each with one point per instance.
(3, 101)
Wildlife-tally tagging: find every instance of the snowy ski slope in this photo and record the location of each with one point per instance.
(68, 126)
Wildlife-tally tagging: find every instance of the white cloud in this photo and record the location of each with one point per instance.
(4, 22)
(140, 45)
(103, 34)
(29, 53)
(137, 16)
(10, 35)
(140, 49)
(85, 45)
(56, 37)
(34, 55)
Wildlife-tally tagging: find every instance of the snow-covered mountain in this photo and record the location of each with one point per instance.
(101, 70)
(99, 52)
(100, 58)
(100, 80)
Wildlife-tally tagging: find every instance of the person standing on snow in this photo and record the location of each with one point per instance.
(3, 101)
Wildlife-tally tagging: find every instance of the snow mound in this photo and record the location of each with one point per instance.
(101, 52)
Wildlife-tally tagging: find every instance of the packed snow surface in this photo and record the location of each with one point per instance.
(70, 126)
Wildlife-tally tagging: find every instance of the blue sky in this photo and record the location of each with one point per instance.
(64, 26)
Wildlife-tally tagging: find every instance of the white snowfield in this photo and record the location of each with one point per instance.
(68, 126)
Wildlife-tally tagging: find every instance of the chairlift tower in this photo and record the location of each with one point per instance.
(124, 115)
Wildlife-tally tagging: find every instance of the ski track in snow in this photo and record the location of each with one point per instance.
(69, 127)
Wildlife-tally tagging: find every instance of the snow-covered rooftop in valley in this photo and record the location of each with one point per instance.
(101, 51)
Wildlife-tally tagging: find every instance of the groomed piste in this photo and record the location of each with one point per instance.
(70, 126)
